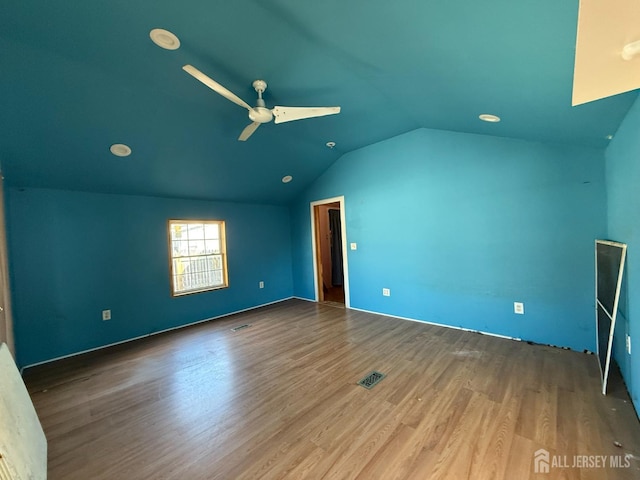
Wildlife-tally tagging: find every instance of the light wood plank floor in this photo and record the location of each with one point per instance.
(280, 400)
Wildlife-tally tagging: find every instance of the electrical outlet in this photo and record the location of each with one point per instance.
(518, 307)
(261, 284)
(106, 314)
(354, 246)
(386, 292)
(628, 338)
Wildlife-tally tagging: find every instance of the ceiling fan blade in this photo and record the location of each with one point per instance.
(287, 114)
(248, 131)
(215, 86)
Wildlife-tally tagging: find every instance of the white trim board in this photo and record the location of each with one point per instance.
(420, 321)
(307, 299)
(22, 369)
(438, 324)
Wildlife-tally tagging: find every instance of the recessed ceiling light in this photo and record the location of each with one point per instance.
(120, 150)
(609, 137)
(487, 117)
(164, 39)
(287, 179)
(331, 144)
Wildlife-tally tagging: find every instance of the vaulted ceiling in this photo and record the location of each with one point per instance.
(79, 76)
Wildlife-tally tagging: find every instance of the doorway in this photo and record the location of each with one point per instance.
(329, 252)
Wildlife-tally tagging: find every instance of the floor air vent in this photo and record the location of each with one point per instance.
(240, 327)
(371, 379)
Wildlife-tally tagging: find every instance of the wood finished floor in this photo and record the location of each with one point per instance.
(280, 400)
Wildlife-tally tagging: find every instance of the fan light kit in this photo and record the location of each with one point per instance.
(164, 39)
(120, 150)
(260, 113)
(287, 179)
(487, 117)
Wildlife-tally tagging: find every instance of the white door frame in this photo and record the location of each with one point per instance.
(6, 319)
(314, 246)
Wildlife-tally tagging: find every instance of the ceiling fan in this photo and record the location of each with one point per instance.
(260, 113)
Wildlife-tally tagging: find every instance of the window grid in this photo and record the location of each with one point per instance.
(197, 256)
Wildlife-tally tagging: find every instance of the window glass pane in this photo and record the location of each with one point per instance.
(196, 231)
(178, 230)
(198, 264)
(180, 248)
(178, 283)
(212, 230)
(188, 281)
(177, 267)
(212, 246)
(196, 247)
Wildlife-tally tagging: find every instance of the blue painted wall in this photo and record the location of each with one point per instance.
(623, 203)
(74, 254)
(460, 226)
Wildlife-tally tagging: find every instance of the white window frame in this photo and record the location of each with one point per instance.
(175, 292)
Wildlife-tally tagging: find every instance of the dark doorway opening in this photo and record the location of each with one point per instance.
(329, 253)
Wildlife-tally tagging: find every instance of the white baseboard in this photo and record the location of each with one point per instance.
(438, 324)
(253, 308)
(22, 369)
(305, 299)
(421, 321)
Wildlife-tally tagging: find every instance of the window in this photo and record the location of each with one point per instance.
(198, 258)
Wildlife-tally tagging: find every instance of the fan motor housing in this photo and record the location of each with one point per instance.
(260, 114)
